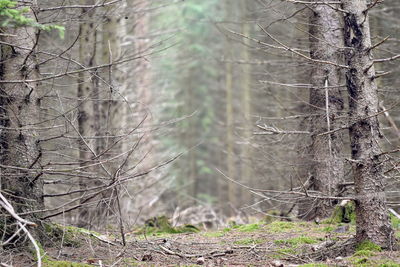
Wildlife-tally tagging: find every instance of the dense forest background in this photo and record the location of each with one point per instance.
(205, 111)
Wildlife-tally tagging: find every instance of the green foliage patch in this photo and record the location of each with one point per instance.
(13, 16)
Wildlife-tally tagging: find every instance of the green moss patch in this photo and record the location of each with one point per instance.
(284, 253)
(296, 241)
(49, 263)
(67, 234)
(367, 262)
(282, 227)
(161, 225)
(360, 261)
(368, 246)
(314, 265)
(327, 229)
(389, 264)
(248, 241)
(248, 227)
(395, 222)
(364, 253)
(71, 236)
(343, 214)
(214, 234)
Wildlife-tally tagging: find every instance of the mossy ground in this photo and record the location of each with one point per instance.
(160, 244)
(161, 225)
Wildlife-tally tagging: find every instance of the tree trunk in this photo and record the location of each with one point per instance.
(326, 106)
(112, 109)
(143, 83)
(227, 193)
(87, 106)
(20, 153)
(373, 222)
(247, 176)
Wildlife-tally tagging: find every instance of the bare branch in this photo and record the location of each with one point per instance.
(287, 48)
(387, 59)
(269, 130)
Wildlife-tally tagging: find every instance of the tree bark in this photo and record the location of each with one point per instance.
(373, 222)
(326, 106)
(87, 107)
(111, 109)
(246, 155)
(227, 192)
(20, 152)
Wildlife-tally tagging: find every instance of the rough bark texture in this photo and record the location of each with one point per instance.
(372, 217)
(20, 153)
(326, 106)
(87, 106)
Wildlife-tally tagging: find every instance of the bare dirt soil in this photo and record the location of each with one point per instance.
(275, 244)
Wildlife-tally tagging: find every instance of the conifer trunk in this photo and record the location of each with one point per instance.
(20, 153)
(87, 107)
(373, 222)
(326, 106)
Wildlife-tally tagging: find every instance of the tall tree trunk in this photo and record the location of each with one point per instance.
(87, 106)
(373, 222)
(247, 177)
(326, 106)
(112, 109)
(143, 82)
(227, 194)
(20, 153)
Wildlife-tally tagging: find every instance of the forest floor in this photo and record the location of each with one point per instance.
(277, 243)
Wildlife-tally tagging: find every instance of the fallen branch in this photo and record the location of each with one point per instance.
(22, 223)
(209, 254)
(392, 211)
